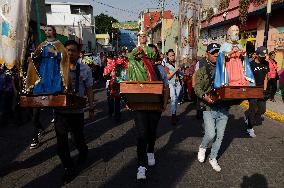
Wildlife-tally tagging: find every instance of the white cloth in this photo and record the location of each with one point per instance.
(97, 60)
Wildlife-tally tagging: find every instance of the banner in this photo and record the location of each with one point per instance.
(14, 22)
(126, 25)
(188, 30)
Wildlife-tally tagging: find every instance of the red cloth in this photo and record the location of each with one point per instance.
(149, 66)
(235, 70)
(272, 68)
(110, 69)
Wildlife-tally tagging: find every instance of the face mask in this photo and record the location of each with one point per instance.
(262, 59)
(234, 38)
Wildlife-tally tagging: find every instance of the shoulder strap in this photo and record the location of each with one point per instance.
(77, 83)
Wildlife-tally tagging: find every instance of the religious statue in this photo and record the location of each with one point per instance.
(141, 62)
(48, 69)
(232, 67)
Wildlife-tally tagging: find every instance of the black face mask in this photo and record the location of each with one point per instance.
(262, 59)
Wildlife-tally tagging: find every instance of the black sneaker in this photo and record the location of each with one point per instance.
(34, 144)
(69, 175)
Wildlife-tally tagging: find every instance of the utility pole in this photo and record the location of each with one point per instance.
(269, 2)
(163, 33)
(37, 20)
(179, 32)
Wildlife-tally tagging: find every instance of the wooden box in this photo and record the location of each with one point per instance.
(143, 95)
(237, 92)
(53, 101)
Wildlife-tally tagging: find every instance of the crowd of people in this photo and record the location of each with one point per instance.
(144, 63)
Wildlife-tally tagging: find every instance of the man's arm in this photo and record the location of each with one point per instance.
(200, 81)
(265, 82)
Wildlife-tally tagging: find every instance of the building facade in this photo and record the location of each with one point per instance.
(74, 20)
(150, 21)
(251, 31)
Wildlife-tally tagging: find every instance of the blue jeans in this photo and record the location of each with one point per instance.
(174, 94)
(215, 122)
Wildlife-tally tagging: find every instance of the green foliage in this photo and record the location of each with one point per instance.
(104, 25)
(243, 8)
(224, 4)
(210, 14)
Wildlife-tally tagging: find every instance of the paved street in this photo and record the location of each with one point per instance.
(245, 162)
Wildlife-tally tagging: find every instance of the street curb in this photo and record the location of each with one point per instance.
(270, 114)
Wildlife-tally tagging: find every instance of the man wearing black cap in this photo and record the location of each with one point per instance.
(211, 48)
(215, 116)
(257, 107)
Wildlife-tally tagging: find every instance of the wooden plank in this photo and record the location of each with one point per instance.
(52, 101)
(238, 92)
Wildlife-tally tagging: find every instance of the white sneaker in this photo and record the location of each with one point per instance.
(251, 133)
(141, 174)
(201, 154)
(151, 159)
(215, 165)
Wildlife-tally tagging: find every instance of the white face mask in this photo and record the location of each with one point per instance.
(234, 38)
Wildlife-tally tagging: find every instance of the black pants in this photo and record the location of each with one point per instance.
(146, 123)
(114, 107)
(6, 105)
(75, 124)
(36, 122)
(257, 107)
(272, 86)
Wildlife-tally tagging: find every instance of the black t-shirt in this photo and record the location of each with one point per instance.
(260, 70)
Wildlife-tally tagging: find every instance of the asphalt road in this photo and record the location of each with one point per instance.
(245, 162)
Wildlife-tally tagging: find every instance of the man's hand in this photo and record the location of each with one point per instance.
(52, 50)
(207, 99)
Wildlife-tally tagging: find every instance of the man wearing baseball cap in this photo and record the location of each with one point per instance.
(215, 116)
(257, 107)
(211, 49)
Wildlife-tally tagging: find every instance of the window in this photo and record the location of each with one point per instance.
(77, 9)
(48, 9)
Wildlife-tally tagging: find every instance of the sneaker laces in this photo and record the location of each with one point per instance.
(141, 170)
(151, 156)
